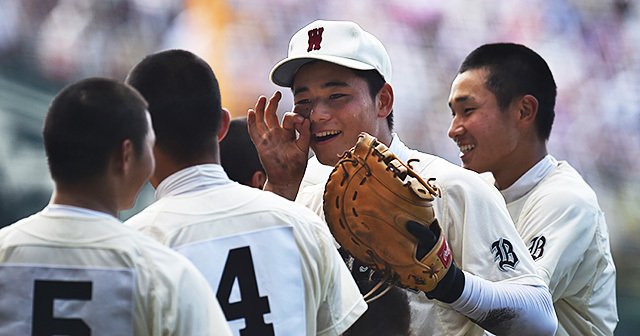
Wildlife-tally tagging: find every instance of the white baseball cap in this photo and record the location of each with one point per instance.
(341, 42)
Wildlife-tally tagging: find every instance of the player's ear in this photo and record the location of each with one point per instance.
(122, 159)
(225, 120)
(384, 101)
(528, 109)
(258, 179)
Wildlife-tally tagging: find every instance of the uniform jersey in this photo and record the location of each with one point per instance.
(477, 227)
(72, 271)
(558, 216)
(271, 262)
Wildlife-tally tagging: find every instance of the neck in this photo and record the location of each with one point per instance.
(518, 165)
(166, 165)
(385, 137)
(89, 196)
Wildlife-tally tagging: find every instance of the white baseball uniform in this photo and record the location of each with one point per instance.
(74, 271)
(557, 214)
(271, 262)
(477, 226)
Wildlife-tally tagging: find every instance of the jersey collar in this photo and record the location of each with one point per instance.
(59, 210)
(530, 179)
(192, 179)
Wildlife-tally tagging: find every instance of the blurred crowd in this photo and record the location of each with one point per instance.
(592, 47)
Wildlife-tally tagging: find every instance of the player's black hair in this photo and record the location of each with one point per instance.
(86, 122)
(184, 102)
(375, 81)
(513, 71)
(238, 154)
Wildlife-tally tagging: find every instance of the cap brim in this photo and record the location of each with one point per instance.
(282, 73)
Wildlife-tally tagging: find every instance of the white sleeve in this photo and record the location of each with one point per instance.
(507, 308)
(342, 303)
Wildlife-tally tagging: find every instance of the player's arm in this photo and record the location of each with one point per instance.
(340, 294)
(282, 152)
(507, 308)
(566, 224)
(500, 308)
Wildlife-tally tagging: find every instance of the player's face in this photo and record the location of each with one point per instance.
(144, 165)
(485, 135)
(339, 106)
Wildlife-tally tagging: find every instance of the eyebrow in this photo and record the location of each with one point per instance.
(323, 86)
(461, 99)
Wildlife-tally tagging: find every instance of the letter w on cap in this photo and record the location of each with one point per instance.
(315, 37)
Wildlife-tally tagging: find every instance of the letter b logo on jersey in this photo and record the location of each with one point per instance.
(536, 247)
(315, 38)
(504, 254)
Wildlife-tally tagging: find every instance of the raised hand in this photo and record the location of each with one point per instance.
(283, 153)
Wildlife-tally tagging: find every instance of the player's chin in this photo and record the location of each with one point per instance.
(329, 158)
(472, 165)
(467, 164)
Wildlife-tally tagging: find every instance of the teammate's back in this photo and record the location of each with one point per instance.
(122, 282)
(74, 268)
(272, 264)
(281, 255)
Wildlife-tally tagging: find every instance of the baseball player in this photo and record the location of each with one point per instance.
(339, 75)
(239, 157)
(503, 129)
(74, 268)
(271, 263)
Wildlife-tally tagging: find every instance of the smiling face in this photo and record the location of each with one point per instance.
(486, 135)
(339, 106)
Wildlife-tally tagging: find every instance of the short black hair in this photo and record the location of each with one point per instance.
(86, 122)
(184, 102)
(238, 154)
(375, 82)
(513, 71)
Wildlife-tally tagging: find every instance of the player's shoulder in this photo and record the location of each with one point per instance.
(453, 179)
(155, 255)
(291, 209)
(8, 231)
(23, 230)
(564, 187)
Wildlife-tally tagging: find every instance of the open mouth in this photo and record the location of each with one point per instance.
(464, 149)
(325, 136)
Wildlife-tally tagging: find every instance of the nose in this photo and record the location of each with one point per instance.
(455, 129)
(319, 112)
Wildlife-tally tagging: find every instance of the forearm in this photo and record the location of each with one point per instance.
(507, 308)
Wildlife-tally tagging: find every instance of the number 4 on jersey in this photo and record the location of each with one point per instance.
(252, 306)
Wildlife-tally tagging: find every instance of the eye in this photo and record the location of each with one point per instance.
(302, 102)
(337, 96)
(468, 110)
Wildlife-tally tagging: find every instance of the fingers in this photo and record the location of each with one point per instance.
(295, 122)
(251, 125)
(304, 129)
(423, 233)
(270, 113)
(255, 120)
(290, 119)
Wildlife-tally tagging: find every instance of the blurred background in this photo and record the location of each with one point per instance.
(592, 47)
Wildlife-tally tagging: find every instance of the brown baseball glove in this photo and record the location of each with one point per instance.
(369, 198)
